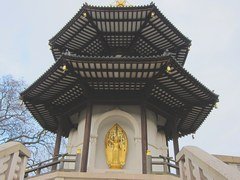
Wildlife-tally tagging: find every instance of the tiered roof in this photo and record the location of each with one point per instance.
(130, 31)
(127, 55)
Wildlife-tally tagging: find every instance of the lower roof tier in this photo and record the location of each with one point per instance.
(160, 82)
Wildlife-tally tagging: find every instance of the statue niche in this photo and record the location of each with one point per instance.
(116, 144)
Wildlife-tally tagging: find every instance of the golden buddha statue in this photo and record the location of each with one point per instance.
(116, 147)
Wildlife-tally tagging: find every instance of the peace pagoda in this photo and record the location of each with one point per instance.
(119, 92)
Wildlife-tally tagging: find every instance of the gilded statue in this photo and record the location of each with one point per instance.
(116, 144)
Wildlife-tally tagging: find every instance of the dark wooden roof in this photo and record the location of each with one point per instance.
(130, 31)
(130, 80)
(119, 55)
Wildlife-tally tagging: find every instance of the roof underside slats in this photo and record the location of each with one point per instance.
(119, 54)
(176, 92)
(129, 31)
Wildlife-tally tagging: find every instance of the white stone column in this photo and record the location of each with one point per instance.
(138, 150)
(92, 155)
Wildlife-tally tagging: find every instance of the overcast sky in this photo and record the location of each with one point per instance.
(213, 26)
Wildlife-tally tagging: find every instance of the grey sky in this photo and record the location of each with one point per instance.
(213, 26)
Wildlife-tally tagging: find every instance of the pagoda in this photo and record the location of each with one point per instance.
(118, 88)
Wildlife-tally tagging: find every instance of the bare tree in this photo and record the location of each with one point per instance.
(16, 123)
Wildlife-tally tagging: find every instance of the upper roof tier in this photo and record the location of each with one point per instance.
(124, 31)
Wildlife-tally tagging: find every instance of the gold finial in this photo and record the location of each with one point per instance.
(84, 14)
(121, 3)
(64, 68)
(78, 150)
(168, 69)
(152, 14)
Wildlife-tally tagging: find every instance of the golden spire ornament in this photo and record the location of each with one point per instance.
(64, 68)
(168, 69)
(121, 3)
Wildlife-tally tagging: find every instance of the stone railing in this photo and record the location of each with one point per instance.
(196, 164)
(161, 165)
(232, 161)
(63, 162)
(13, 160)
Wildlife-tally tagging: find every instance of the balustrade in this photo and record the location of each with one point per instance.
(196, 164)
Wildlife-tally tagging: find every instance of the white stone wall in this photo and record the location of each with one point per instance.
(104, 117)
(75, 139)
(129, 118)
(156, 140)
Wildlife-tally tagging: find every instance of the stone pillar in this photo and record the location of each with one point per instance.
(78, 160)
(144, 139)
(93, 146)
(138, 147)
(86, 138)
(149, 164)
(13, 160)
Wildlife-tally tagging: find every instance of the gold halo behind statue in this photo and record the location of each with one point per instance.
(116, 144)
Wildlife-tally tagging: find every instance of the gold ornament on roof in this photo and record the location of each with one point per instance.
(64, 68)
(116, 145)
(121, 3)
(168, 69)
(85, 14)
(152, 14)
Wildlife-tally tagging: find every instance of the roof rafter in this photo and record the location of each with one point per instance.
(99, 33)
(133, 43)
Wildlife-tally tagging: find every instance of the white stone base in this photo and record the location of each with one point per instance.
(95, 176)
(129, 118)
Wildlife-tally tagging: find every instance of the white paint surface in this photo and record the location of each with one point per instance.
(129, 118)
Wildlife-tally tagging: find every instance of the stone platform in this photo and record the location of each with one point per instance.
(61, 175)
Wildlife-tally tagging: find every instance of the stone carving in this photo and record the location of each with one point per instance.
(13, 160)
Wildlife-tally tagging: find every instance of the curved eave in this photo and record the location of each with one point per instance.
(56, 93)
(146, 35)
(90, 7)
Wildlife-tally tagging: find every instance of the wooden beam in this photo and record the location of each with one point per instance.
(58, 141)
(166, 113)
(57, 145)
(175, 140)
(143, 25)
(99, 32)
(167, 147)
(168, 155)
(144, 138)
(86, 138)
